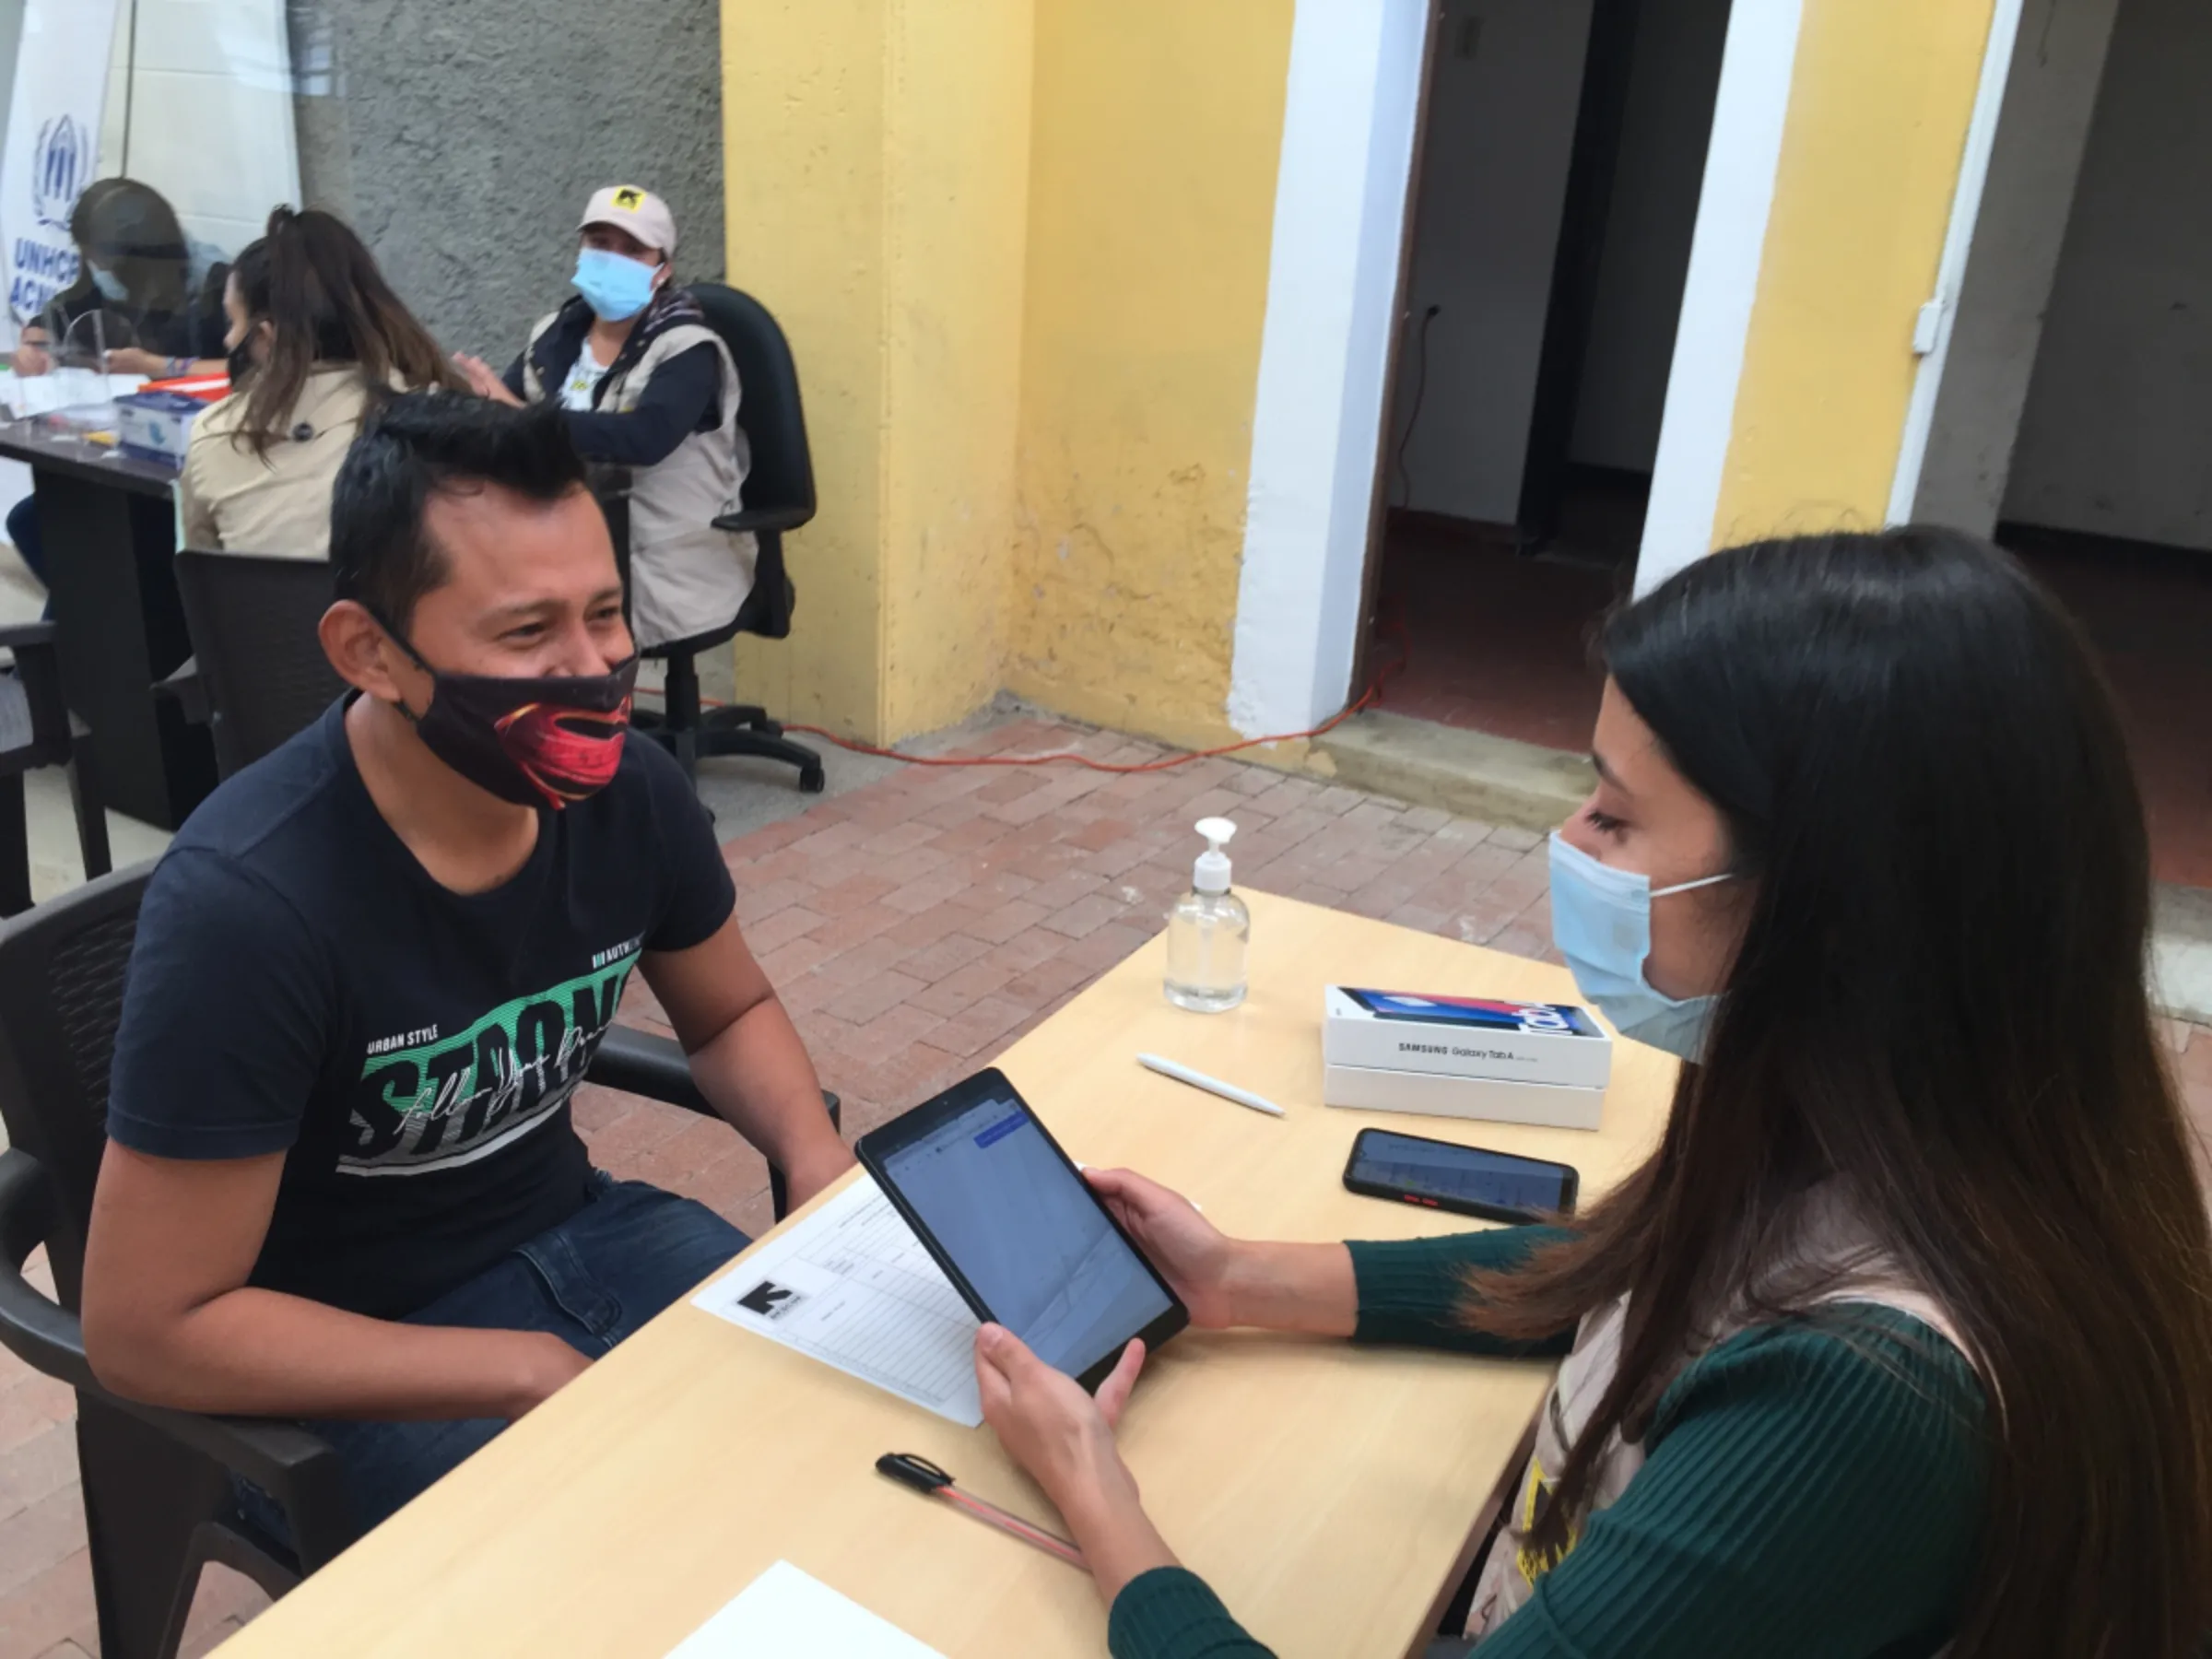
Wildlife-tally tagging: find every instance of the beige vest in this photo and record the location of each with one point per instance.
(1831, 1249)
(686, 577)
(229, 498)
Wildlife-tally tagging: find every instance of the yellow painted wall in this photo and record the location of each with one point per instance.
(803, 124)
(1021, 247)
(1879, 103)
(1157, 126)
(878, 178)
(955, 205)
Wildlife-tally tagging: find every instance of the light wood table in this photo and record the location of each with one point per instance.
(1326, 1490)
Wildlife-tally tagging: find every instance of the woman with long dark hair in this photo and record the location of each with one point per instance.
(146, 300)
(1900, 1344)
(316, 334)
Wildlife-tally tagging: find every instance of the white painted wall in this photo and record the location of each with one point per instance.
(1493, 185)
(2116, 438)
(1747, 117)
(1353, 87)
(210, 114)
(1674, 76)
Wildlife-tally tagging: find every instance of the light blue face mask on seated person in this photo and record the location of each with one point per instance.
(614, 286)
(110, 286)
(1601, 920)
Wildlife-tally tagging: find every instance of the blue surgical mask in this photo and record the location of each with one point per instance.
(1601, 920)
(616, 287)
(110, 286)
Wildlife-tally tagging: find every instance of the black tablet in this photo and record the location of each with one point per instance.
(1018, 1229)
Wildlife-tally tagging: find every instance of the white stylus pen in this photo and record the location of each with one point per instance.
(1228, 1091)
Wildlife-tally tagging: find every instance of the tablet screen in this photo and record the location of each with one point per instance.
(1027, 1233)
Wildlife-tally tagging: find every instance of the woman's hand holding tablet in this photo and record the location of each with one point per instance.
(1017, 1231)
(1064, 1438)
(1092, 1275)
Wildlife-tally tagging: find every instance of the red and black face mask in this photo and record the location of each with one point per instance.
(539, 741)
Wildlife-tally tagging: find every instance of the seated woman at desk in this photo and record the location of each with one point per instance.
(1900, 1343)
(145, 296)
(650, 386)
(315, 334)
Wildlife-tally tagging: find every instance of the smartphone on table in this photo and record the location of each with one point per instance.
(1468, 1180)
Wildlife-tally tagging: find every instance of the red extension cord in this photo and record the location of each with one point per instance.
(1392, 625)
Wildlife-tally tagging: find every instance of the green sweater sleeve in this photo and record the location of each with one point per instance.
(1810, 1487)
(1169, 1613)
(1411, 1290)
(1813, 1487)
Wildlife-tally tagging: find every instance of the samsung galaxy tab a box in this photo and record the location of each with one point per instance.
(1463, 1056)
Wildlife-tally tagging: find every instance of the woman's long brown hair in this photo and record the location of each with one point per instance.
(311, 279)
(130, 228)
(1939, 1004)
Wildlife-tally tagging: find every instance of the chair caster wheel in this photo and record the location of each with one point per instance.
(812, 781)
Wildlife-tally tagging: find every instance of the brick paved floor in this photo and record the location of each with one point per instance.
(916, 927)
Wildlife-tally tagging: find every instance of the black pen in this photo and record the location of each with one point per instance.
(925, 1478)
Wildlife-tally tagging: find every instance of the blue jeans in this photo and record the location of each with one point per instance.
(23, 531)
(629, 1252)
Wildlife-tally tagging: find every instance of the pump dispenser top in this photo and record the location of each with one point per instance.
(1210, 874)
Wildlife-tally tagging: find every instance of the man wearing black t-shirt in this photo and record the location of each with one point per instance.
(342, 1183)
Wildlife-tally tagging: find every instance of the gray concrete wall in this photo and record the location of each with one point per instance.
(461, 139)
(2118, 421)
(11, 37)
(2050, 96)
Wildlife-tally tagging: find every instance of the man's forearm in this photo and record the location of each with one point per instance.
(757, 1076)
(258, 1353)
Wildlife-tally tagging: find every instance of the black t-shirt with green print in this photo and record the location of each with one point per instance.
(301, 985)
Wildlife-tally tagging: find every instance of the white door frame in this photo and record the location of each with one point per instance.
(1758, 64)
(1342, 197)
(1932, 334)
(1340, 204)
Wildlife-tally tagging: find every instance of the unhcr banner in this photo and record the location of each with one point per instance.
(52, 143)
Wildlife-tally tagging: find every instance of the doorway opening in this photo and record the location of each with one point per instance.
(2094, 470)
(1553, 207)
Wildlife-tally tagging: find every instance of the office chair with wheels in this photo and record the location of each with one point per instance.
(779, 493)
(158, 1495)
(261, 670)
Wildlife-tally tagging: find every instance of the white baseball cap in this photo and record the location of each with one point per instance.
(640, 212)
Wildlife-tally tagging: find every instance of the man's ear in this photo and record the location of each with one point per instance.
(361, 651)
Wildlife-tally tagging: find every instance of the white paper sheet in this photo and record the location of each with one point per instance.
(783, 1614)
(853, 1288)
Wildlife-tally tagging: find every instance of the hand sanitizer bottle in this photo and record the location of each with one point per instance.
(1207, 931)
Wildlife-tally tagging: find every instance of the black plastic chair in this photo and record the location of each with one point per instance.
(779, 490)
(37, 729)
(259, 662)
(156, 1483)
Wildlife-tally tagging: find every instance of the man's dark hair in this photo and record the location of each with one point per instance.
(412, 446)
